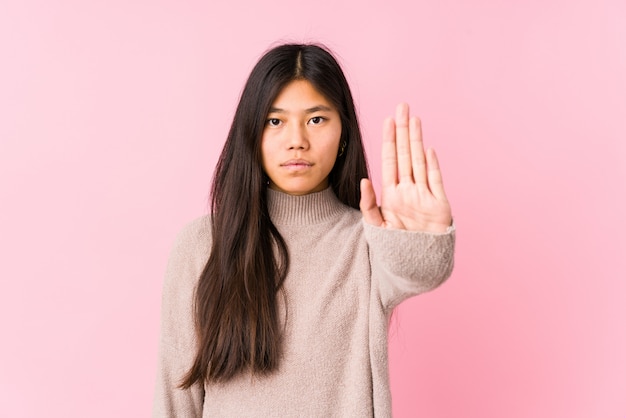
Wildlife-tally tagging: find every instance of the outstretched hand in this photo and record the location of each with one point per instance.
(413, 197)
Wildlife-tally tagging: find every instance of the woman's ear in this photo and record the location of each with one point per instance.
(342, 148)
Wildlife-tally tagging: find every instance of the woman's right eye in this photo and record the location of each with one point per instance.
(273, 122)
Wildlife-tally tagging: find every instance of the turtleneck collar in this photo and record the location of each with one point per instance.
(312, 208)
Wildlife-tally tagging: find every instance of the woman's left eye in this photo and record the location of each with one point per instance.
(316, 120)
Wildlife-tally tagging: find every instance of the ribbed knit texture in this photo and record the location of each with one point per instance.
(344, 279)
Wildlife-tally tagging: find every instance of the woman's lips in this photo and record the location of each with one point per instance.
(296, 164)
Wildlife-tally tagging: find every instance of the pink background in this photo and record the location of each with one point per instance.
(112, 114)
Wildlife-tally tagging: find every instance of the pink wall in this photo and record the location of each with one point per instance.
(111, 117)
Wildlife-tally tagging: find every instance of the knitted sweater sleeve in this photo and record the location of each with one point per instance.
(177, 342)
(407, 263)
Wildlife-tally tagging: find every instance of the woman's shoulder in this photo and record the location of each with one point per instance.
(194, 238)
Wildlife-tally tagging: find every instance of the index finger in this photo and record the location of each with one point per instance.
(389, 157)
(403, 143)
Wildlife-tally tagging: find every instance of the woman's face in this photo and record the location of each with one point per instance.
(300, 140)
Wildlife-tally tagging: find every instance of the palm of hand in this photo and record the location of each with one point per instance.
(413, 197)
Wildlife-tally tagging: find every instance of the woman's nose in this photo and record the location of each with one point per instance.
(297, 137)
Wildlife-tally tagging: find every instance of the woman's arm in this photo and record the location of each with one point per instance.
(407, 263)
(411, 236)
(177, 344)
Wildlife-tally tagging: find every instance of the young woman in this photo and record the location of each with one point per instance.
(277, 303)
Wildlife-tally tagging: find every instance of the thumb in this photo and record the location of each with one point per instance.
(369, 209)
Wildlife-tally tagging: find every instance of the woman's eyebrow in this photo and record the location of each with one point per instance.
(318, 108)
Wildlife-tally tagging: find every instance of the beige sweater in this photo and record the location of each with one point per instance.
(345, 278)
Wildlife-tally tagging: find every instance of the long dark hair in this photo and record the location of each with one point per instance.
(235, 306)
